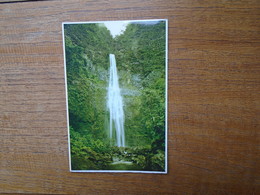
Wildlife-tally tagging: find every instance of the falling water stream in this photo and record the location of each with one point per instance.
(115, 105)
(117, 119)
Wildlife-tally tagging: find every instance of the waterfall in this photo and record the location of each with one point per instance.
(115, 105)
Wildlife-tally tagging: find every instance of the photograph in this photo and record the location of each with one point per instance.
(116, 95)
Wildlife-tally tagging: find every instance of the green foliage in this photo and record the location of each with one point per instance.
(141, 53)
(140, 56)
(88, 153)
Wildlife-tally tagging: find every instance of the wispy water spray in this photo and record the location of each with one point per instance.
(115, 105)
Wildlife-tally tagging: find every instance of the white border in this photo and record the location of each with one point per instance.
(166, 99)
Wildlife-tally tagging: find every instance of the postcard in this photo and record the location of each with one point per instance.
(116, 94)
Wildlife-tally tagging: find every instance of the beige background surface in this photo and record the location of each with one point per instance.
(214, 77)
